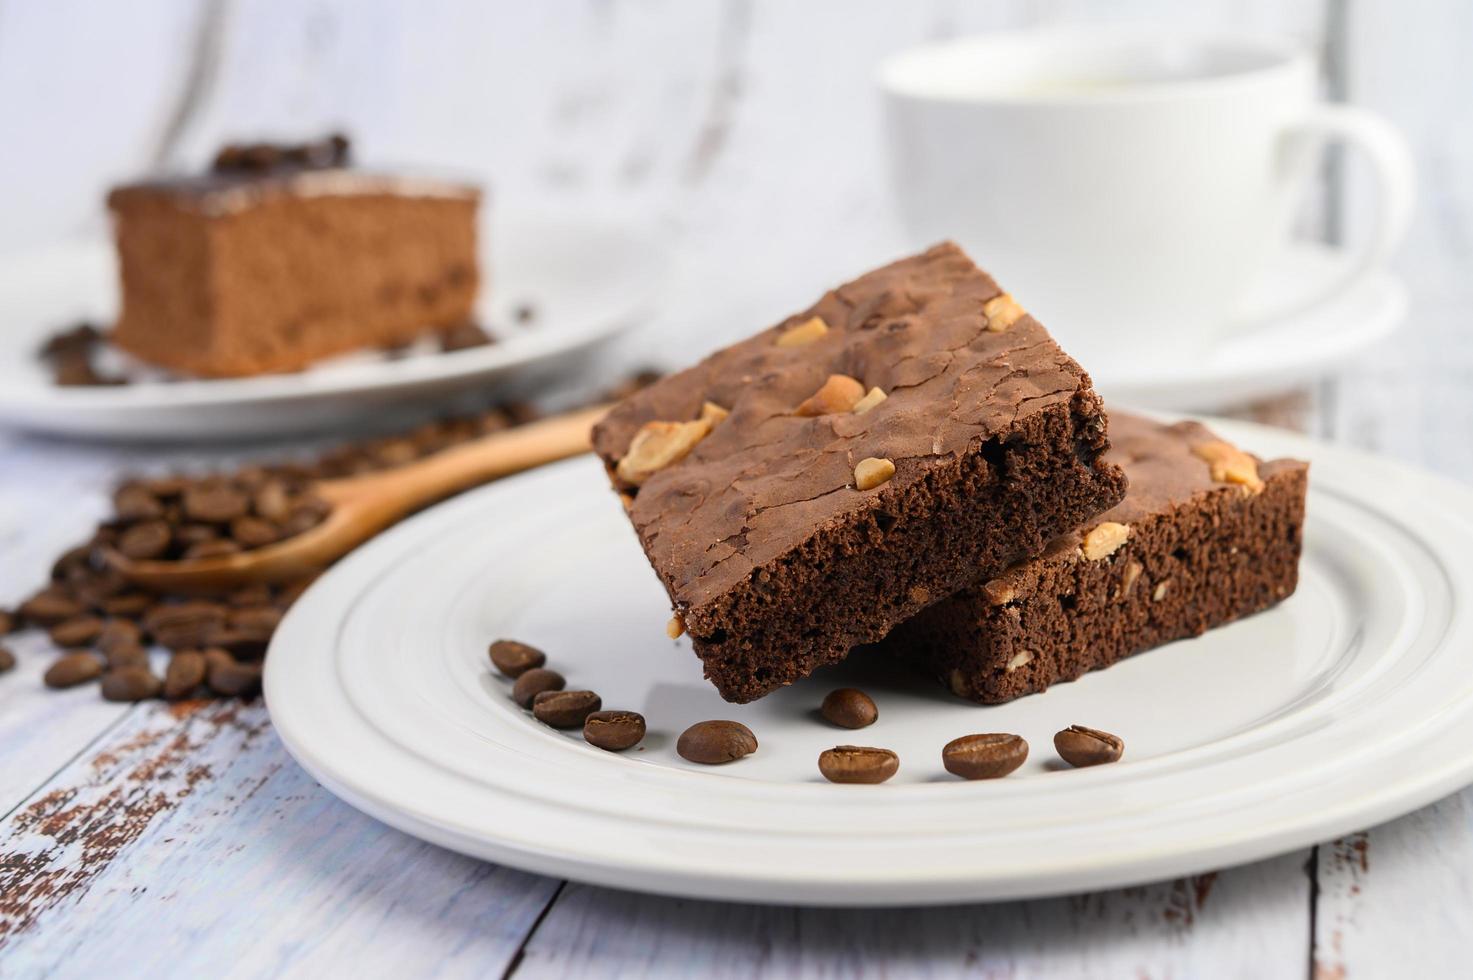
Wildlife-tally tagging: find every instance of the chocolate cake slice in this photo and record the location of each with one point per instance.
(282, 256)
(804, 491)
(1207, 534)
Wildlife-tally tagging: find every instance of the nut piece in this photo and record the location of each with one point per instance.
(858, 764)
(712, 743)
(1002, 312)
(958, 683)
(657, 445)
(675, 629)
(872, 472)
(1229, 464)
(804, 333)
(1132, 574)
(514, 659)
(849, 707)
(999, 592)
(988, 756)
(1160, 591)
(869, 401)
(533, 683)
(1104, 539)
(614, 731)
(1080, 746)
(1020, 659)
(713, 413)
(839, 393)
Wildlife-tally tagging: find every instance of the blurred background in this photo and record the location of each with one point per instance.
(747, 132)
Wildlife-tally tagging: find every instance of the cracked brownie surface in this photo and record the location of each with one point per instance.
(1206, 534)
(923, 383)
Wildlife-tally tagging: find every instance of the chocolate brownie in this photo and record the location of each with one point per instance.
(282, 256)
(802, 492)
(1207, 534)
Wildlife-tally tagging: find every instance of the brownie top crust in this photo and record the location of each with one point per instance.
(956, 360)
(1169, 467)
(228, 192)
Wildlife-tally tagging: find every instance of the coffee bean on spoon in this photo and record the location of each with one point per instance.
(565, 709)
(849, 707)
(534, 682)
(712, 743)
(858, 764)
(614, 730)
(514, 659)
(988, 756)
(1080, 746)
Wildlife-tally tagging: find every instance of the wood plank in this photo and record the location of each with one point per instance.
(191, 844)
(1229, 924)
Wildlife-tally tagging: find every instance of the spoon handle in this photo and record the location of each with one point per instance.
(415, 485)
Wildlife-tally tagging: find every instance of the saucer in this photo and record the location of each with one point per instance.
(1258, 359)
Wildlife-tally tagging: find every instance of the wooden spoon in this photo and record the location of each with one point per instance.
(364, 505)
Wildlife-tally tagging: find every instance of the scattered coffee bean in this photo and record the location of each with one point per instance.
(614, 730)
(79, 631)
(565, 709)
(72, 669)
(226, 675)
(1080, 746)
(514, 659)
(186, 625)
(7, 662)
(130, 684)
(986, 756)
(118, 634)
(186, 672)
(849, 707)
(534, 682)
(49, 607)
(712, 743)
(134, 656)
(858, 764)
(252, 623)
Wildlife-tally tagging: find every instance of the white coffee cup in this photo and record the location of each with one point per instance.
(1128, 187)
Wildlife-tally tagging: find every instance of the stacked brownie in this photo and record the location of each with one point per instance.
(914, 453)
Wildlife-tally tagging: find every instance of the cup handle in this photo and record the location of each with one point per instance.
(1396, 180)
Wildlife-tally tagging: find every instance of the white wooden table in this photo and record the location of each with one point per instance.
(158, 840)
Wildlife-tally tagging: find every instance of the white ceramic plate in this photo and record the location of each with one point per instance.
(1265, 358)
(1347, 705)
(587, 282)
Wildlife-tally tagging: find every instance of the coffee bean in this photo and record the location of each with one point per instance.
(79, 631)
(7, 660)
(1080, 746)
(533, 682)
(130, 605)
(849, 707)
(72, 562)
(254, 532)
(272, 502)
(117, 634)
(185, 625)
(135, 502)
(7, 622)
(226, 675)
(72, 669)
(215, 503)
(712, 743)
(614, 730)
(49, 607)
(858, 764)
(134, 656)
(247, 596)
(186, 672)
(514, 659)
(254, 622)
(984, 756)
(189, 535)
(130, 684)
(565, 709)
(146, 541)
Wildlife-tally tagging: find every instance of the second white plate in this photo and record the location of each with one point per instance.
(1349, 704)
(587, 282)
